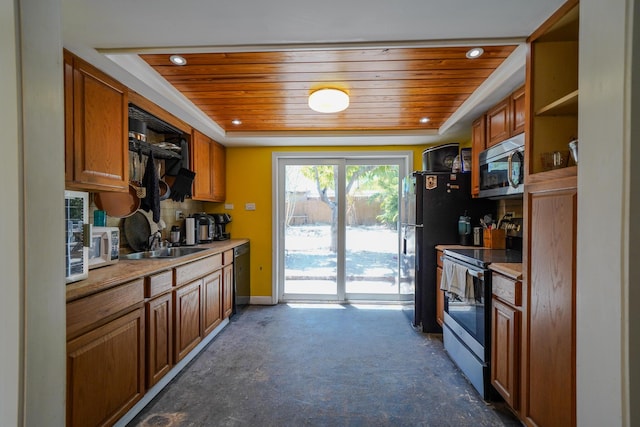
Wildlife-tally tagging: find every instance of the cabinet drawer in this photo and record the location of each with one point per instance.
(228, 257)
(158, 284)
(83, 313)
(508, 290)
(189, 272)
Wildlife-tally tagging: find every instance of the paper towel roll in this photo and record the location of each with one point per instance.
(190, 233)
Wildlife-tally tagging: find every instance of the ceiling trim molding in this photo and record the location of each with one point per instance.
(314, 46)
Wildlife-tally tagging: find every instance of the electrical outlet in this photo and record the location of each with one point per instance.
(228, 206)
(250, 207)
(179, 215)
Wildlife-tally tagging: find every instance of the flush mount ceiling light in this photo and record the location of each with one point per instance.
(328, 100)
(177, 60)
(424, 120)
(476, 52)
(236, 122)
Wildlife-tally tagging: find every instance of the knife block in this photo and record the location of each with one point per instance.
(494, 239)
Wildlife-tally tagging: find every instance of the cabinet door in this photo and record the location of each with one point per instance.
(517, 111)
(100, 130)
(498, 126)
(439, 298)
(212, 311)
(202, 154)
(187, 318)
(159, 338)
(550, 393)
(227, 286)
(218, 166)
(478, 144)
(505, 351)
(105, 371)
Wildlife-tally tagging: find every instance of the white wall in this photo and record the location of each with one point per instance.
(43, 213)
(603, 215)
(10, 216)
(634, 226)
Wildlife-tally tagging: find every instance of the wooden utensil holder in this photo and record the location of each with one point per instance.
(494, 239)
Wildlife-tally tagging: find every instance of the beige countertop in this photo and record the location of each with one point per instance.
(512, 270)
(104, 278)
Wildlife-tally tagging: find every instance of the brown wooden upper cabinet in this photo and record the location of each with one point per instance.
(209, 165)
(506, 119)
(96, 128)
(478, 144)
(517, 111)
(498, 123)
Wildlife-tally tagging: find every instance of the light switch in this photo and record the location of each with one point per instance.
(250, 206)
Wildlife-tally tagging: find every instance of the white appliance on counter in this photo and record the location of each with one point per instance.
(77, 235)
(105, 246)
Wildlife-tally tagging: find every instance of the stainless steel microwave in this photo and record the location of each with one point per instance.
(502, 169)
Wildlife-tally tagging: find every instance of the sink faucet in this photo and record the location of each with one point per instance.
(154, 240)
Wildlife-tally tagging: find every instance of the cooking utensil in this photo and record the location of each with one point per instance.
(573, 146)
(118, 205)
(165, 190)
(141, 191)
(138, 228)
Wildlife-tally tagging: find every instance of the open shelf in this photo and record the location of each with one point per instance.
(567, 105)
(553, 174)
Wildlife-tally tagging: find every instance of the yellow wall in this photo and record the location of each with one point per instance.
(249, 180)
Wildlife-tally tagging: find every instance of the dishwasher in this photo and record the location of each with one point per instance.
(241, 277)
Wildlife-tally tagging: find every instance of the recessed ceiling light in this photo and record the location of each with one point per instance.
(236, 122)
(177, 60)
(424, 120)
(476, 52)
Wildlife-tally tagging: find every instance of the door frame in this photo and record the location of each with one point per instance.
(277, 224)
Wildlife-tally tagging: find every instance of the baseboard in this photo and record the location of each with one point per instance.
(261, 300)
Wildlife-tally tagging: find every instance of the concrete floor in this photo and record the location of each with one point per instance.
(322, 365)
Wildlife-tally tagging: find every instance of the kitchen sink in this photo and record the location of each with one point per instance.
(163, 253)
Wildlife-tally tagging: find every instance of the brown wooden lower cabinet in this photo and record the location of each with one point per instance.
(227, 286)
(105, 371)
(131, 335)
(505, 351)
(212, 311)
(187, 318)
(159, 341)
(550, 359)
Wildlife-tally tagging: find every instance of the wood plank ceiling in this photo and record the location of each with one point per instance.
(389, 89)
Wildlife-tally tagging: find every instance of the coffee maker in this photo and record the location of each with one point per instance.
(221, 220)
(205, 227)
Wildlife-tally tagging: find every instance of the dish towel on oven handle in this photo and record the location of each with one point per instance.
(457, 280)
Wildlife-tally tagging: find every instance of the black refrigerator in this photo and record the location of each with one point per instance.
(432, 203)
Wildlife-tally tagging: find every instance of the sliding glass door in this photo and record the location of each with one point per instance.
(338, 228)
